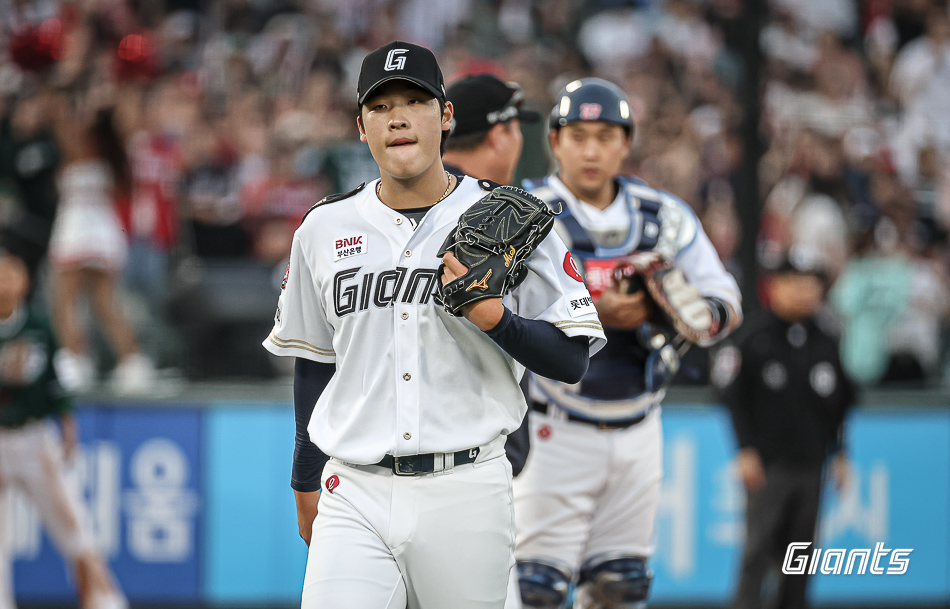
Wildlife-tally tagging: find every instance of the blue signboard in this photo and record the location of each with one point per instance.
(140, 476)
(255, 554)
(899, 496)
(193, 506)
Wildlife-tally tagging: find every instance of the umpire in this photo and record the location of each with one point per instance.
(486, 138)
(788, 397)
(486, 144)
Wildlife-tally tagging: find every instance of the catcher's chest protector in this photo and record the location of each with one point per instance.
(597, 264)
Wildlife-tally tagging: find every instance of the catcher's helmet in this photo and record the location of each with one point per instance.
(592, 99)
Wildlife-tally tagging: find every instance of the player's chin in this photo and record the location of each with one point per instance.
(404, 164)
(591, 184)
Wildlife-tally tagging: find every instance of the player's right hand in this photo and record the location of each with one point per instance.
(306, 513)
(623, 311)
(751, 469)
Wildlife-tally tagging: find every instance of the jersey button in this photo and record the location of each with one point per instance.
(406, 377)
(398, 220)
(405, 316)
(407, 435)
(408, 253)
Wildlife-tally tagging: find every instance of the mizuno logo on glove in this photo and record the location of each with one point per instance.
(482, 284)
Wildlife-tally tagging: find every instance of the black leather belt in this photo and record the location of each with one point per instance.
(417, 465)
(619, 424)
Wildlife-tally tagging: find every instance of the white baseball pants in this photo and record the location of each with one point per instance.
(31, 459)
(382, 541)
(587, 492)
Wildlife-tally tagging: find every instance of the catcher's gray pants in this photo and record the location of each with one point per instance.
(785, 510)
(382, 541)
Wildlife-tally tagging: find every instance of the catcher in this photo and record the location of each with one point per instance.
(658, 287)
(411, 394)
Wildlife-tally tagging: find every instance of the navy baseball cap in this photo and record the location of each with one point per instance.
(483, 101)
(592, 99)
(400, 61)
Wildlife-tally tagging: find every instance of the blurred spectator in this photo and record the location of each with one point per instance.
(921, 67)
(88, 248)
(807, 207)
(239, 115)
(29, 159)
(211, 197)
(892, 309)
(893, 302)
(160, 115)
(275, 204)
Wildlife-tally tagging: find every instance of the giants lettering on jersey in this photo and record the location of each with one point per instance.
(349, 247)
(353, 292)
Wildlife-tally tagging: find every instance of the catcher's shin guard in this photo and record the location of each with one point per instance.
(542, 585)
(618, 583)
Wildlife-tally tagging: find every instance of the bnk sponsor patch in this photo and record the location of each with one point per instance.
(347, 247)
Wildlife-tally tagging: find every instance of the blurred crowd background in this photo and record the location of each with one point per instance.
(205, 129)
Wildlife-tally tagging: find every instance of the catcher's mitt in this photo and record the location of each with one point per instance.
(493, 239)
(680, 303)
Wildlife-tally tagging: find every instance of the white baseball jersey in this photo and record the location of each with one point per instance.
(410, 378)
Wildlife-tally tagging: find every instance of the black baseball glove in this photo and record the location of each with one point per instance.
(493, 239)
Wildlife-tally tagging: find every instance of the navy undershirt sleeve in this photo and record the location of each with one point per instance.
(541, 348)
(310, 379)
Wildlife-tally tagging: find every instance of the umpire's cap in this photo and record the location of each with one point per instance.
(400, 61)
(592, 99)
(483, 101)
(799, 259)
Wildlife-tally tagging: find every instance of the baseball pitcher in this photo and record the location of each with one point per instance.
(413, 305)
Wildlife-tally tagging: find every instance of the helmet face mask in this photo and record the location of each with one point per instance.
(592, 99)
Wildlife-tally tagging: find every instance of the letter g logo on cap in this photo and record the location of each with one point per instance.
(394, 61)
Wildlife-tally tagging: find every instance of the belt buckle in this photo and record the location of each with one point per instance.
(404, 467)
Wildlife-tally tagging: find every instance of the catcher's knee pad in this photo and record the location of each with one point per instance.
(543, 585)
(616, 583)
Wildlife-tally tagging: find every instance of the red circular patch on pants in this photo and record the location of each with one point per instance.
(332, 482)
(570, 267)
(544, 432)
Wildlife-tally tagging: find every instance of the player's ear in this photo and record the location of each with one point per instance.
(448, 112)
(553, 135)
(359, 125)
(495, 134)
(629, 136)
(628, 140)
